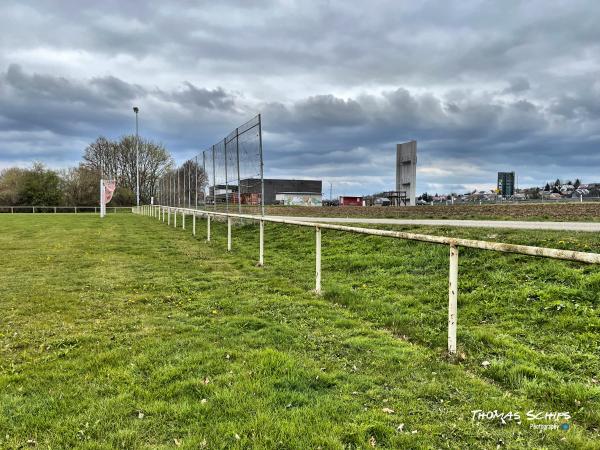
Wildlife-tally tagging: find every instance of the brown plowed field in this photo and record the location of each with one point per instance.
(560, 212)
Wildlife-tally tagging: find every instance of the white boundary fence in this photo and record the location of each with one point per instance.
(159, 212)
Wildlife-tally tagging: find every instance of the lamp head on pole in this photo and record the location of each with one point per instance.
(136, 109)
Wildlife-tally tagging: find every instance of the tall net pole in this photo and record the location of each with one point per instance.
(214, 180)
(226, 180)
(204, 172)
(262, 165)
(237, 152)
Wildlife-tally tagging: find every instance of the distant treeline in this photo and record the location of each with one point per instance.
(80, 186)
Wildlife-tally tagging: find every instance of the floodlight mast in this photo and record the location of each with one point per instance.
(137, 158)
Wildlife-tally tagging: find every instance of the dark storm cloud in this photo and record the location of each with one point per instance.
(204, 98)
(482, 85)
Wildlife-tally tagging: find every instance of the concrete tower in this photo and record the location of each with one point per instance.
(406, 169)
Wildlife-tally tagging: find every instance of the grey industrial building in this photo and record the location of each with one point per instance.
(506, 184)
(406, 171)
(274, 186)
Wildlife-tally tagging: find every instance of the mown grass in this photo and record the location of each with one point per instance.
(125, 333)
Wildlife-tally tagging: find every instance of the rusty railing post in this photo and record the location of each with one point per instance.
(317, 260)
(228, 233)
(208, 228)
(452, 298)
(261, 245)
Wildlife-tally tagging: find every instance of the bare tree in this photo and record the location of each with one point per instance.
(118, 160)
(80, 186)
(11, 181)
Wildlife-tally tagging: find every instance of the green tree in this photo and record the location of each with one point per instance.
(40, 187)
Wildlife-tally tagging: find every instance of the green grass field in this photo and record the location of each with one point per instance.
(126, 333)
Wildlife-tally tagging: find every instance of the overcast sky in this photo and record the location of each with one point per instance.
(483, 86)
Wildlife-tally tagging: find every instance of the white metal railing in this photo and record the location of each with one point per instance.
(59, 209)
(159, 212)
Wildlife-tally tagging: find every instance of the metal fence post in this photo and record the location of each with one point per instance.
(205, 176)
(226, 180)
(208, 228)
(262, 165)
(169, 216)
(214, 197)
(261, 247)
(183, 220)
(452, 298)
(228, 233)
(194, 224)
(237, 151)
(318, 260)
(175, 218)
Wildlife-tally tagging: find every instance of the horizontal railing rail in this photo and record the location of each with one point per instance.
(160, 211)
(60, 209)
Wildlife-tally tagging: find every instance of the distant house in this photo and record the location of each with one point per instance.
(346, 200)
